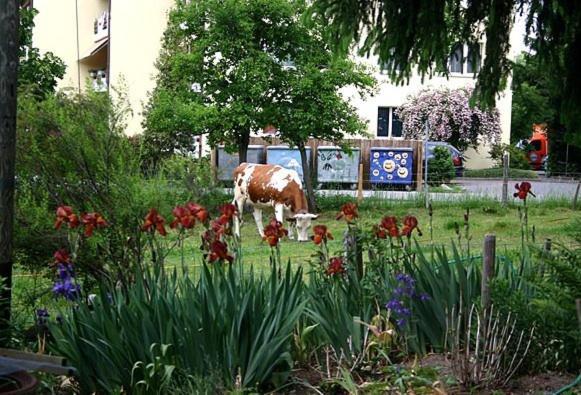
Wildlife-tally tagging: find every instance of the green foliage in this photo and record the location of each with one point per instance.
(450, 284)
(418, 37)
(37, 73)
(232, 51)
(441, 168)
(532, 100)
(517, 157)
(227, 325)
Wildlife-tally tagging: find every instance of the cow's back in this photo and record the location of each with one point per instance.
(268, 185)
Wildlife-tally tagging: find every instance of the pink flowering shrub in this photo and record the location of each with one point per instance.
(450, 118)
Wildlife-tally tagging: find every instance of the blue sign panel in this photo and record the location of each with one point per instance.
(334, 165)
(391, 165)
(289, 158)
(228, 162)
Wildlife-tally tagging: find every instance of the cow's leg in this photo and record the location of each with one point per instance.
(258, 218)
(239, 203)
(291, 224)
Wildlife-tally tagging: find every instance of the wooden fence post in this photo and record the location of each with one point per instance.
(576, 196)
(488, 260)
(505, 164)
(360, 184)
(420, 168)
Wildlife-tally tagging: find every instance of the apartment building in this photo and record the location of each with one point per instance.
(115, 43)
(105, 43)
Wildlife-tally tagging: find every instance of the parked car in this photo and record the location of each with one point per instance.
(457, 157)
(538, 149)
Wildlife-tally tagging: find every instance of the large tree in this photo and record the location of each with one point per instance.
(422, 33)
(219, 69)
(310, 103)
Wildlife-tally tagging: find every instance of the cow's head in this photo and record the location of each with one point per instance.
(303, 223)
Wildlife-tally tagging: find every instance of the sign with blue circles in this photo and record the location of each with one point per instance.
(391, 165)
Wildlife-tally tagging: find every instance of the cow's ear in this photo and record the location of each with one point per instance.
(291, 219)
(314, 216)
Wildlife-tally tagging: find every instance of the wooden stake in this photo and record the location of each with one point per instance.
(360, 184)
(488, 260)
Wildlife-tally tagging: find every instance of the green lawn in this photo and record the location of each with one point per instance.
(549, 220)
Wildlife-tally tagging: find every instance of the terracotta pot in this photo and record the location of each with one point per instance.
(23, 383)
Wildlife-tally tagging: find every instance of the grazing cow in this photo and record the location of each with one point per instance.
(272, 186)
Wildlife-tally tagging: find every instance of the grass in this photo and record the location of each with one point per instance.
(550, 220)
(496, 172)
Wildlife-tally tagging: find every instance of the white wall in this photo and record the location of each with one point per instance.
(137, 28)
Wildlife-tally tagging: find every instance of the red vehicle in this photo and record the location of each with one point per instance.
(538, 147)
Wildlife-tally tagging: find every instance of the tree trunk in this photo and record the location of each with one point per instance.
(307, 178)
(9, 18)
(243, 142)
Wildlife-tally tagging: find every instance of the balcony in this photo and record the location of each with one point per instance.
(101, 27)
(99, 80)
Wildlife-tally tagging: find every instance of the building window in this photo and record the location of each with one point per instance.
(473, 59)
(465, 59)
(385, 66)
(388, 123)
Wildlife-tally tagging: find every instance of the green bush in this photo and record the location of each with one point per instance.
(517, 157)
(440, 168)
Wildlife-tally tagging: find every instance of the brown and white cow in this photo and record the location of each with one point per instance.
(272, 186)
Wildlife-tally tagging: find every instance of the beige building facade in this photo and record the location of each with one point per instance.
(113, 44)
(106, 44)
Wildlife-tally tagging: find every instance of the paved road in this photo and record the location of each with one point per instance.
(544, 189)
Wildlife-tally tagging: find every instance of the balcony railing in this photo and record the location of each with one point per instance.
(101, 26)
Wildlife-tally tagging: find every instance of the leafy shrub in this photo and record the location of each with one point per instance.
(229, 325)
(517, 157)
(440, 167)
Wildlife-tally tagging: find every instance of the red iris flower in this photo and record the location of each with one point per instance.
(92, 221)
(389, 223)
(379, 232)
(182, 217)
(321, 234)
(218, 228)
(228, 211)
(198, 211)
(409, 224)
(64, 214)
(274, 232)
(154, 221)
(336, 266)
(523, 190)
(61, 256)
(348, 211)
(219, 252)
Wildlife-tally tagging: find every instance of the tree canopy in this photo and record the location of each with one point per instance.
(419, 35)
(219, 69)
